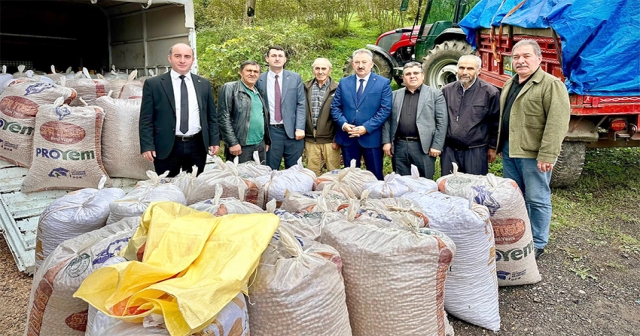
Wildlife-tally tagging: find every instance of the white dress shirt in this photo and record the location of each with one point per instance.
(366, 80)
(194, 110)
(271, 95)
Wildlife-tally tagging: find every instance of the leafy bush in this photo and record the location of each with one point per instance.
(222, 49)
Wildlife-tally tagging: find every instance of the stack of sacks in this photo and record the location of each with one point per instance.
(307, 224)
(392, 186)
(303, 202)
(88, 89)
(233, 185)
(67, 153)
(71, 215)
(394, 277)
(223, 206)
(185, 180)
(298, 289)
(19, 104)
(184, 272)
(57, 77)
(121, 140)
(252, 169)
(5, 78)
(231, 321)
(349, 181)
(132, 88)
(52, 308)
(516, 262)
(118, 80)
(418, 183)
(296, 178)
(471, 292)
(137, 200)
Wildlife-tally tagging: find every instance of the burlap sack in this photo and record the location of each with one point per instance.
(131, 90)
(88, 89)
(71, 215)
(394, 278)
(348, 181)
(19, 104)
(515, 260)
(471, 291)
(121, 140)
(232, 320)
(298, 289)
(223, 206)
(52, 310)
(66, 152)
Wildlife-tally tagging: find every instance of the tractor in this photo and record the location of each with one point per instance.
(439, 45)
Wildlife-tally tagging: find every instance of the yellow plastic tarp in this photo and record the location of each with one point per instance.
(193, 265)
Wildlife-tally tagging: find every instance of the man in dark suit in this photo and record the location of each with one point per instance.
(283, 92)
(415, 132)
(361, 105)
(178, 117)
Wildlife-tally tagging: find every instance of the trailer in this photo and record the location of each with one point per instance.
(96, 34)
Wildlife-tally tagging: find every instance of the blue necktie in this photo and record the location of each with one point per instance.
(360, 91)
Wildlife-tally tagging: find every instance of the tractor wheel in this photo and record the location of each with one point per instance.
(380, 67)
(568, 168)
(440, 64)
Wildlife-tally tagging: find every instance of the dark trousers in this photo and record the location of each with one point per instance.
(407, 153)
(372, 157)
(247, 153)
(470, 161)
(184, 155)
(283, 146)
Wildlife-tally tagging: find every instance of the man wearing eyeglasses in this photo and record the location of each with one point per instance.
(415, 132)
(283, 93)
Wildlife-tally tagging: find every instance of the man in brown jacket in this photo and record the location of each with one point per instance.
(320, 130)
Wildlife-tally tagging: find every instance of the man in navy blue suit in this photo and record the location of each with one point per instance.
(361, 105)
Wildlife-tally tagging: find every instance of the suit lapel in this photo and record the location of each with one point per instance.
(371, 82)
(167, 85)
(262, 87)
(399, 100)
(421, 101)
(285, 81)
(197, 85)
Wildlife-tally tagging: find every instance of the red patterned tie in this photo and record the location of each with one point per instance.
(277, 109)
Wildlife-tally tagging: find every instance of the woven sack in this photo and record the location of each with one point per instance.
(349, 181)
(515, 260)
(394, 277)
(121, 139)
(66, 148)
(296, 178)
(224, 206)
(71, 215)
(298, 289)
(471, 292)
(52, 311)
(19, 104)
(89, 89)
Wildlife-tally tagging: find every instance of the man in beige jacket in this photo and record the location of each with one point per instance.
(534, 119)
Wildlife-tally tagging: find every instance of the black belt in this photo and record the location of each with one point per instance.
(463, 147)
(410, 139)
(186, 137)
(277, 125)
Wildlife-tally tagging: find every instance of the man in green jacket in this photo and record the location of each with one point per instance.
(534, 119)
(320, 128)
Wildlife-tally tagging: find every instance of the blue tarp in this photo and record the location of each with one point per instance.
(600, 38)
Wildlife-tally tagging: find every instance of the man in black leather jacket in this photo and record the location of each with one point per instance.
(243, 116)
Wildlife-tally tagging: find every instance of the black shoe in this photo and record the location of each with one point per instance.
(538, 252)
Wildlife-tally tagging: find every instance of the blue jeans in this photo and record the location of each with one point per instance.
(537, 194)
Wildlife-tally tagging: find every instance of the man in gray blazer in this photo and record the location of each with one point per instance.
(415, 132)
(283, 92)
